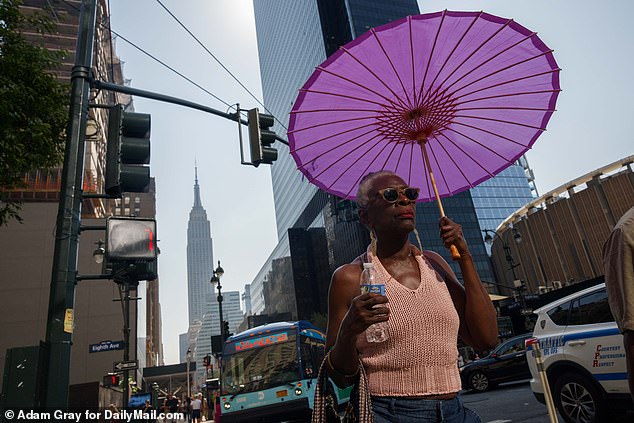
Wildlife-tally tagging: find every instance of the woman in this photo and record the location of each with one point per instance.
(413, 376)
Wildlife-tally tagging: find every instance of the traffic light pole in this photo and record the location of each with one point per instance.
(222, 324)
(102, 85)
(125, 300)
(59, 324)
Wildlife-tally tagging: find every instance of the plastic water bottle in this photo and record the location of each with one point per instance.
(378, 331)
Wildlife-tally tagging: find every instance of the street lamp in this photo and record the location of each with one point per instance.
(518, 285)
(99, 252)
(517, 236)
(215, 279)
(189, 359)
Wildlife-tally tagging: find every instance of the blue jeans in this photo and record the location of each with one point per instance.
(406, 410)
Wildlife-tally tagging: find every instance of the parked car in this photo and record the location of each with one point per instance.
(583, 357)
(505, 363)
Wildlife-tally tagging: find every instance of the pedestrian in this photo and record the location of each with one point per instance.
(187, 409)
(114, 413)
(196, 406)
(618, 267)
(171, 407)
(413, 375)
(147, 411)
(217, 411)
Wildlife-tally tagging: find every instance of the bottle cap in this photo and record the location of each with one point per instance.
(368, 265)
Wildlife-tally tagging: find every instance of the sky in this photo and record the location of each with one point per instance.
(591, 128)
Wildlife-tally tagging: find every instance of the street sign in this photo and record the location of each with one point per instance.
(120, 366)
(105, 346)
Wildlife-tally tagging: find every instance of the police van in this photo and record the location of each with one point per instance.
(583, 354)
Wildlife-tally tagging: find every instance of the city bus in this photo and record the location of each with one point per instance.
(269, 373)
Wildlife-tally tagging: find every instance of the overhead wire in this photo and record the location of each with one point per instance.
(171, 68)
(219, 62)
(155, 58)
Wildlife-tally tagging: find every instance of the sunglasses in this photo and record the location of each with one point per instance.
(391, 195)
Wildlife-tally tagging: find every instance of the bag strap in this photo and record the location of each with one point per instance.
(359, 398)
(440, 265)
(319, 403)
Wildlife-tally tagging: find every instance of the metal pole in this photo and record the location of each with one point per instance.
(222, 327)
(550, 406)
(509, 258)
(59, 323)
(174, 100)
(188, 360)
(126, 341)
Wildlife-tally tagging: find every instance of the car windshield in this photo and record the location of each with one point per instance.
(509, 347)
(260, 367)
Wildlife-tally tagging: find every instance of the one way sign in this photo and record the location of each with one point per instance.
(125, 365)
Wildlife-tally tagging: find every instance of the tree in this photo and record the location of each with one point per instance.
(33, 103)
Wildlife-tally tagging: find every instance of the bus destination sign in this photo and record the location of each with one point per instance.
(263, 341)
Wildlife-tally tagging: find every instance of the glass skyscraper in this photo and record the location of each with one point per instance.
(293, 38)
(210, 326)
(497, 198)
(199, 259)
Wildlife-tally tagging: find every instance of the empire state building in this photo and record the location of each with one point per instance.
(199, 259)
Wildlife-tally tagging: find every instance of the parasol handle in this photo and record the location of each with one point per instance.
(455, 255)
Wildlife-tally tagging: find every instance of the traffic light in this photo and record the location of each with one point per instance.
(261, 138)
(216, 344)
(128, 151)
(225, 329)
(111, 379)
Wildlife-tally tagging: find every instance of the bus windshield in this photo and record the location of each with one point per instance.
(257, 366)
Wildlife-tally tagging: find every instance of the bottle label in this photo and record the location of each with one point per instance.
(376, 289)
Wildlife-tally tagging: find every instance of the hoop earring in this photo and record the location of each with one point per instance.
(373, 242)
(420, 244)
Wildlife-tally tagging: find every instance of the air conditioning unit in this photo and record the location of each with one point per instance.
(556, 284)
(543, 289)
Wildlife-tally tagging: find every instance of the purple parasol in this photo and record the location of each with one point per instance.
(455, 95)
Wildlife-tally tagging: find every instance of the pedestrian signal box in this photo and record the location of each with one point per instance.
(111, 379)
(130, 239)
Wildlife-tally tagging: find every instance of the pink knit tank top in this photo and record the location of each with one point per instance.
(420, 355)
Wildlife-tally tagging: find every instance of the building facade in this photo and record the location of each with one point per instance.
(497, 198)
(200, 259)
(183, 345)
(562, 232)
(210, 326)
(246, 300)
